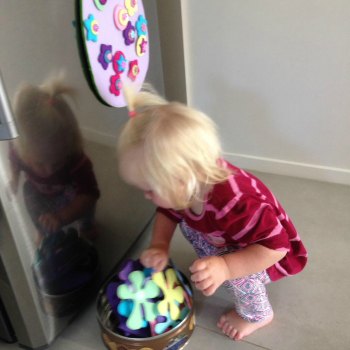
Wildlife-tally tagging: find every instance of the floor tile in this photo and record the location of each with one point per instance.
(206, 339)
(311, 309)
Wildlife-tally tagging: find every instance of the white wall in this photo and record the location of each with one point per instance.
(275, 76)
(38, 36)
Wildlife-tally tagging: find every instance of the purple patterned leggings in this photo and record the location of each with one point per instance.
(249, 293)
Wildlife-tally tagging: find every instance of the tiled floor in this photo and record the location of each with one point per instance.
(312, 310)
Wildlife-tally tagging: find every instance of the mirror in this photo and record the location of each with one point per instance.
(39, 38)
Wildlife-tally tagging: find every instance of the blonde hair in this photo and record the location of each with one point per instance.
(180, 145)
(45, 119)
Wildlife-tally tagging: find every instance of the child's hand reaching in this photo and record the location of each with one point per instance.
(209, 273)
(155, 258)
(50, 222)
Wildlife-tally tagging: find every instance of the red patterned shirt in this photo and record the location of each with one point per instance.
(242, 211)
(76, 172)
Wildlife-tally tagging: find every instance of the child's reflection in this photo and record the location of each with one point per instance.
(60, 186)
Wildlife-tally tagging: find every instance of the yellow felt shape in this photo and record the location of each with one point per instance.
(173, 293)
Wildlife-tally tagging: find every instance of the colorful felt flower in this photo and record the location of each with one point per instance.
(127, 267)
(141, 45)
(139, 292)
(121, 17)
(105, 56)
(125, 308)
(92, 27)
(141, 26)
(134, 70)
(173, 293)
(115, 84)
(100, 4)
(165, 323)
(129, 34)
(119, 62)
(131, 6)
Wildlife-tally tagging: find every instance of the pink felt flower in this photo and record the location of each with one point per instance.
(119, 62)
(134, 70)
(116, 85)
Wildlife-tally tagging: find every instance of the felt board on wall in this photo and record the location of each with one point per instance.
(113, 44)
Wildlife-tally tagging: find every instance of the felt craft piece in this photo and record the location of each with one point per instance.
(166, 322)
(139, 292)
(173, 293)
(105, 56)
(188, 292)
(134, 298)
(113, 42)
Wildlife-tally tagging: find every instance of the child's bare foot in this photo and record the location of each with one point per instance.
(236, 328)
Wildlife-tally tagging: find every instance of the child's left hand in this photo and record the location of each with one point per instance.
(209, 273)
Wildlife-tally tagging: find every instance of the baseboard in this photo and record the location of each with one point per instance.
(263, 164)
(99, 137)
(283, 167)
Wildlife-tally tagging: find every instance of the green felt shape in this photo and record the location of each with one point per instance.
(139, 292)
(172, 295)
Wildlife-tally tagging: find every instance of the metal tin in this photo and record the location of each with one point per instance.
(175, 339)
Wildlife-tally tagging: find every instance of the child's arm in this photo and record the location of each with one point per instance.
(210, 272)
(156, 256)
(73, 211)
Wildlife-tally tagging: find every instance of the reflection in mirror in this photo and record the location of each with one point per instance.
(30, 275)
(60, 192)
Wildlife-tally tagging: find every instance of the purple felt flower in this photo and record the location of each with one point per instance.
(105, 56)
(129, 34)
(127, 267)
(112, 297)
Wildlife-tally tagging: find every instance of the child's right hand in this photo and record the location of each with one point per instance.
(155, 258)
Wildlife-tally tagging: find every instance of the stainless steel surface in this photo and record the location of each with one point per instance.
(39, 37)
(7, 124)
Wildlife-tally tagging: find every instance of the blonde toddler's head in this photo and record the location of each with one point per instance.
(180, 147)
(46, 123)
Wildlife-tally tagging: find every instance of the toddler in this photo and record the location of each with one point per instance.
(60, 186)
(241, 233)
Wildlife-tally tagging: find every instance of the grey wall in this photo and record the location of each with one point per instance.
(172, 50)
(275, 75)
